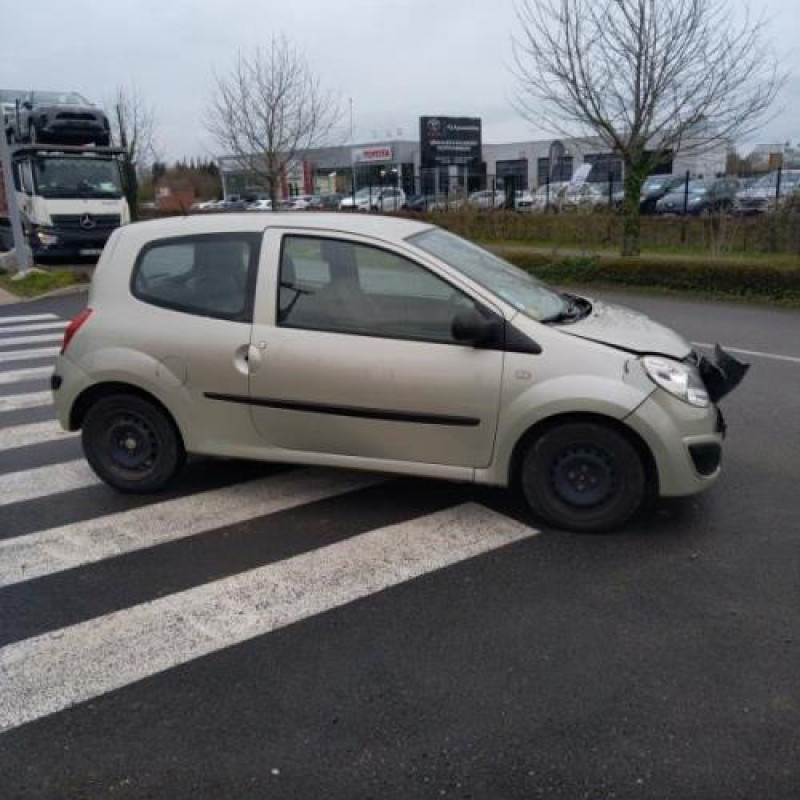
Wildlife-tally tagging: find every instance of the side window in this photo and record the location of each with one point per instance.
(210, 275)
(339, 286)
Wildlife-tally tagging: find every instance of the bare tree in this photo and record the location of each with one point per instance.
(648, 77)
(133, 129)
(270, 110)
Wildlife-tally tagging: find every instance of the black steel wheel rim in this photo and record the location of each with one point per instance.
(584, 476)
(131, 443)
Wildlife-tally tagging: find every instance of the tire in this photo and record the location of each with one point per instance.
(584, 477)
(131, 444)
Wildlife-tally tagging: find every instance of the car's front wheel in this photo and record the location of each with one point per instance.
(131, 443)
(583, 476)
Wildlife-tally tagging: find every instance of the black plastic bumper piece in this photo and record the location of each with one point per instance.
(706, 457)
(55, 382)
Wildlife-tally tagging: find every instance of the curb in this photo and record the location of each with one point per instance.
(6, 298)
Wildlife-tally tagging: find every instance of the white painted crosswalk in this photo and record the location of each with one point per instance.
(16, 402)
(58, 325)
(33, 338)
(17, 487)
(50, 551)
(48, 667)
(13, 320)
(20, 375)
(103, 654)
(26, 355)
(33, 433)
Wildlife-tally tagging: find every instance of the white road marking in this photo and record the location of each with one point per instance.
(36, 326)
(27, 318)
(16, 402)
(33, 433)
(26, 355)
(31, 484)
(756, 353)
(19, 375)
(53, 671)
(57, 549)
(40, 338)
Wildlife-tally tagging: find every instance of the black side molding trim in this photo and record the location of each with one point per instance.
(349, 411)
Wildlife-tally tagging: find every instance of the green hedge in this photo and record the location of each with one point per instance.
(718, 278)
(766, 233)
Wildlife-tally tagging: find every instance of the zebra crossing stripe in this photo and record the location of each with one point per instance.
(32, 433)
(25, 355)
(16, 402)
(36, 326)
(19, 375)
(16, 487)
(51, 672)
(58, 549)
(28, 318)
(39, 338)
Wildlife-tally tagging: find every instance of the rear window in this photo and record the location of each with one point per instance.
(209, 275)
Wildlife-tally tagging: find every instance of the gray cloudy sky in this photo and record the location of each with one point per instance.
(397, 59)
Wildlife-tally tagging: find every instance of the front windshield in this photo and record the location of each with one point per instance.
(362, 193)
(59, 99)
(516, 287)
(77, 177)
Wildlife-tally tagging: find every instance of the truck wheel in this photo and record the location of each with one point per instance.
(131, 444)
(583, 476)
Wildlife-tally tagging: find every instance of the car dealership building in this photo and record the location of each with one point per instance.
(450, 153)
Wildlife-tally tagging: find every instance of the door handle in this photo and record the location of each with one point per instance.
(247, 359)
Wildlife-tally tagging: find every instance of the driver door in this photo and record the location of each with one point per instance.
(357, 357)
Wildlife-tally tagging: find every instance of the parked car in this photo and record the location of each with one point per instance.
(375, 198)
(385, 344)
(699, 197)
(304, 202)
(488, 198)
(427, 202)
(587, 197)
(654, 188)
(59, 118)
(764, 194)
(261, 204)
(548, 196)
(330, 201)
(523, 200)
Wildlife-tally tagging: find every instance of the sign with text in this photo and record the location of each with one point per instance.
(370, 155)
(450, 140)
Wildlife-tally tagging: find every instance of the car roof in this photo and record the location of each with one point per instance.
(390, 228)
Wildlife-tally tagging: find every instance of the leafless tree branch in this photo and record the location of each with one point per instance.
(648, 77)
(270, 110)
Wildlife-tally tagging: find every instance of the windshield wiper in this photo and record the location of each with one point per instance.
(575, 308)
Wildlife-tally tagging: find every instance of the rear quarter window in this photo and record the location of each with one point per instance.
(209, 275)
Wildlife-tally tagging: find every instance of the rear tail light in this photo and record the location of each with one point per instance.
(73, 328)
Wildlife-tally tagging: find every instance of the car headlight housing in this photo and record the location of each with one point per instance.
(680, 380)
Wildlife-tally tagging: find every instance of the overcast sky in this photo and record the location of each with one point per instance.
(396, 59)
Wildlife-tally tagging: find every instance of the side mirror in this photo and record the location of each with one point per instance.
(471, 327)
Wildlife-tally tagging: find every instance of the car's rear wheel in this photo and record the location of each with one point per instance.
(131, 443)
(583, 476)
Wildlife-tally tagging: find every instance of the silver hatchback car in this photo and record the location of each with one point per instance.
(383, 344)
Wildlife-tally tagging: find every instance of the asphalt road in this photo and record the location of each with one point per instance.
(264, 632)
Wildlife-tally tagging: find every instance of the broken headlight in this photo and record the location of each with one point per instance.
(679, 379)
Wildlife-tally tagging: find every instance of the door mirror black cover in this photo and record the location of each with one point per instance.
(472, 327)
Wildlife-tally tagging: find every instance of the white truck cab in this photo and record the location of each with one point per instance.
(70, 198)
